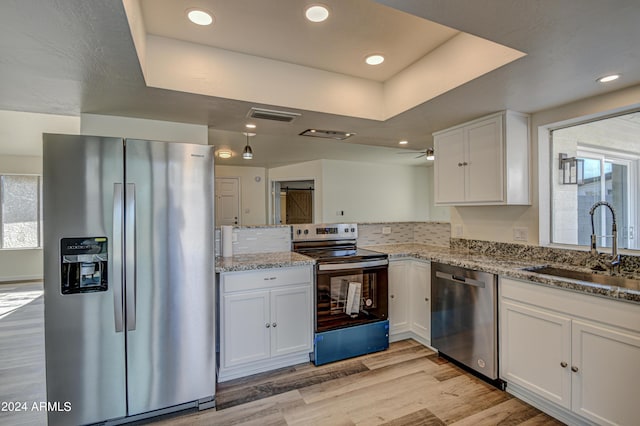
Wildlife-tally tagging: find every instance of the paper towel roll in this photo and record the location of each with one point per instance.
(227, 240)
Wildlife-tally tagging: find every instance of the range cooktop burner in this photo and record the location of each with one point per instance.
(327, 254)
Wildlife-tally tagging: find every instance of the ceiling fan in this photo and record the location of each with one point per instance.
(428, 153)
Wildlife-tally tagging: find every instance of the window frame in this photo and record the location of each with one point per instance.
(631, 162)
(39, 220)
(546, 170)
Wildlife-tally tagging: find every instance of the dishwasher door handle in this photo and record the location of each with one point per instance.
(460, 280)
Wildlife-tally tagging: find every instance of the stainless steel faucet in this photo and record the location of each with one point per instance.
(615, 257)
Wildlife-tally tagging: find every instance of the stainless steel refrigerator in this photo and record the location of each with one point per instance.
(129, 277)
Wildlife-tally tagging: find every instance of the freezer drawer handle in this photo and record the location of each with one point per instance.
(458, 279)
(130, 255)
(116, 262)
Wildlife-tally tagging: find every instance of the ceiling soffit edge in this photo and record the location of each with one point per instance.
(194, 68)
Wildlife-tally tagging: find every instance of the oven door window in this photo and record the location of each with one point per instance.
(348, 298)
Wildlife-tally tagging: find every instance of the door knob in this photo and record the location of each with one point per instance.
(426, 299)
(563, 364)
(267, 325)
(274, 325)
(392, 296)
(574, 368)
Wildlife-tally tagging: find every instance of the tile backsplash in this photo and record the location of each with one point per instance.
(274, 238)
(257, 239)
(431, 233)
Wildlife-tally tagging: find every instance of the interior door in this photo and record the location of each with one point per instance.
(169, 274)
(85, 342)
(299, 206)
(227, 201)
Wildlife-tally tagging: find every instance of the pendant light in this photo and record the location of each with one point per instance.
(247, 154)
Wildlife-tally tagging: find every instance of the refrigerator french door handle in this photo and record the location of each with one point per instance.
(130, 251)
(116, 262)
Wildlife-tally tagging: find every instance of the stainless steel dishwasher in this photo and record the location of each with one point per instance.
(464, 315)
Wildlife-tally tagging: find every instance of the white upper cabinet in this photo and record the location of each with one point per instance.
(483, 162)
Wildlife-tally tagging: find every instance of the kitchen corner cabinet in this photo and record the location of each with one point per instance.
(575, 356)
(409, 303)
(483, 162)
(265, 320)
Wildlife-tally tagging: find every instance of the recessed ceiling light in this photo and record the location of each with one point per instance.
(199, 17)
(608, 78)
(403, 142)
(250, 126)
(374, 59)
(224, 154)
(317, 13)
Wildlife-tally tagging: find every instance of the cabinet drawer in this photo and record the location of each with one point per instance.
(264, 278)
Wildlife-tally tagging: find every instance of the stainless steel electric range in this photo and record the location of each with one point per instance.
(351, 287)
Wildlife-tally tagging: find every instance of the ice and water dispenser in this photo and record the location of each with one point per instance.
(83, 264)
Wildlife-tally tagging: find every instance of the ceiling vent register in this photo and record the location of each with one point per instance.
(269, 114)
(327, 134)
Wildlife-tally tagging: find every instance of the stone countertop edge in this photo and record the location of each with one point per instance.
(504, 267)
(249, 262)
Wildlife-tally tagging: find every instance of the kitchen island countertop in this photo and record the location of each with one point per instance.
(506, 267)
(248, 262)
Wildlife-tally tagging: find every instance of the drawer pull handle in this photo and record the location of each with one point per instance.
(574, 368)
(274, 325)
(392, 296)
(269, 278)
(426, 299)
(563, 364)
(267, 325)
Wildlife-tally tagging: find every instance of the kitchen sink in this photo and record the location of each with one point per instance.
(609, 280)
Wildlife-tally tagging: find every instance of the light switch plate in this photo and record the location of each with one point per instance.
(457, 231)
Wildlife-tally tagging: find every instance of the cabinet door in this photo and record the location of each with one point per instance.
(420, 304)
(291, 320)
(448, 167)
(245, 328)
(605, 385)
(398, 297)
(535, 351)
(484, 158)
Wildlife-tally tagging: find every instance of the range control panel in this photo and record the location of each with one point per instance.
(324, 231)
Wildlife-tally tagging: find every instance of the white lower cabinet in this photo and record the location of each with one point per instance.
(575, 356)
(398, 297)
(409, 304)
(265, 320)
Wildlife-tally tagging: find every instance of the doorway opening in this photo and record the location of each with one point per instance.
(292, 201)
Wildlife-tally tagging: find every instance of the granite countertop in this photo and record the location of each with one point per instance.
(248, 262)
(507, 267)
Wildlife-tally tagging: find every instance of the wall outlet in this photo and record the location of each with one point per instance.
(520, 233)
(457, 231)
(386, 230)
(340, 213)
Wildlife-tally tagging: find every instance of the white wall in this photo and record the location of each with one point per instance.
(496, 223)
(310, 170)
(365, 192)
(368, 192)
(139, 128)
(21, 152)
(253, 194)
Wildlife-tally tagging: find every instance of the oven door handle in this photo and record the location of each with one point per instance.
(351, 265)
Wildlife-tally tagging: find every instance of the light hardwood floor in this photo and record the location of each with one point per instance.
(405, 385)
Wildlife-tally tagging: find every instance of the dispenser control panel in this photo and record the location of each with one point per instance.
(83, 265)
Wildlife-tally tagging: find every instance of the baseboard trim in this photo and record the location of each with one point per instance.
(21, 279)
(555, 411)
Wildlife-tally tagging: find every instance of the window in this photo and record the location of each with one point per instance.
(20, 211)
(606, 155)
